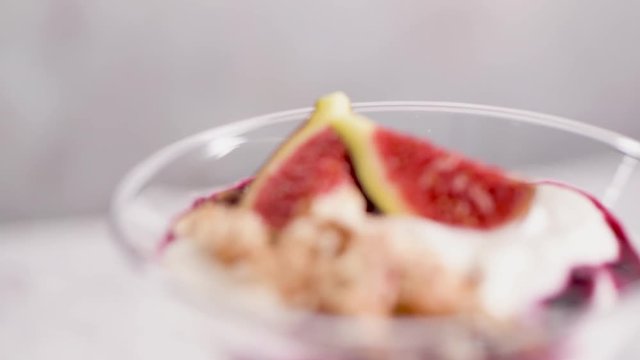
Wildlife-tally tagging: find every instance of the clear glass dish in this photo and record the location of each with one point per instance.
(535, 145)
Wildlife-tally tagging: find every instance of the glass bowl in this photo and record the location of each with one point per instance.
(535, 145)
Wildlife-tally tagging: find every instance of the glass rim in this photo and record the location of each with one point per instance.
(135, 178)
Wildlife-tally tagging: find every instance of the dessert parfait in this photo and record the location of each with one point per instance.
(351, 220)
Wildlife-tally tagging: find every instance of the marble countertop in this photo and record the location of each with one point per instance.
(66, 293)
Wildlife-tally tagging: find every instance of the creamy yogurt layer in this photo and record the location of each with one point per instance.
(527, 260)
(503, 272)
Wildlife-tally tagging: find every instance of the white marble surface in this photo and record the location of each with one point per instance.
(66, 293)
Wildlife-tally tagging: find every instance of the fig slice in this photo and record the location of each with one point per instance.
(402, 174)
(311, 162)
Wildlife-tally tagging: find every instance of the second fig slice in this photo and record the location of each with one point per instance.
(402, 174)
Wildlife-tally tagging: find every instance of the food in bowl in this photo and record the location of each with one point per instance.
(352, 219)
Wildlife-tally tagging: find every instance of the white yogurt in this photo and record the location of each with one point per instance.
(526, 260)
(517, 265)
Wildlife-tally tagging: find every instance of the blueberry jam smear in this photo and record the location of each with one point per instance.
(579, 288)
(625, 270)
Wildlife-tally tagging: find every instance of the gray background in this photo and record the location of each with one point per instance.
(88, 88)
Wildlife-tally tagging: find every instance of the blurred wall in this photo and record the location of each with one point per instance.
(88, 88)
